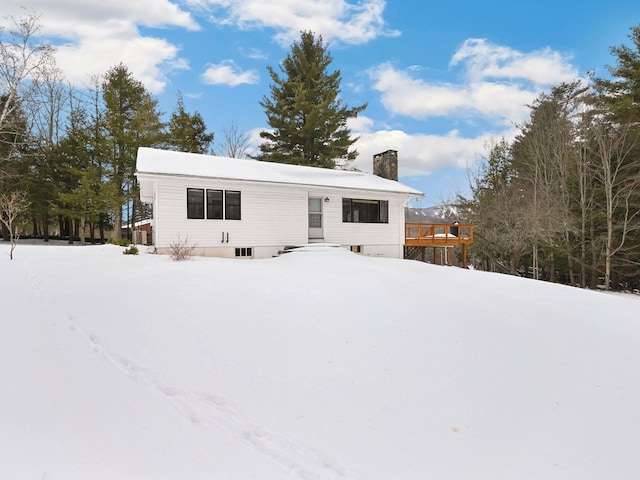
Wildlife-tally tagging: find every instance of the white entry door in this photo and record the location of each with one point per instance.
(315, 219)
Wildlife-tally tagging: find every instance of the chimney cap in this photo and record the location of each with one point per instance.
(386, 151)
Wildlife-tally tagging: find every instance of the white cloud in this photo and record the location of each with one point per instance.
(193, 95)
(404, 95)
(150, 60)
(498, 84)
(95, 35)
(255, 54)
(360, 124)
(255, 140)
(339, 20)
(228, 73)
(486, 60)
(420, 154)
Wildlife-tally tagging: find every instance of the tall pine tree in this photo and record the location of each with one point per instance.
(188, 131)
(307, 117)
(622, 92)
(132, 120)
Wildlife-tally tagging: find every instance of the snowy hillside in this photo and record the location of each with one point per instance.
(315, 365)
(436, 214)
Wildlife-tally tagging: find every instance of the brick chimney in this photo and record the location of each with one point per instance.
(385, 165)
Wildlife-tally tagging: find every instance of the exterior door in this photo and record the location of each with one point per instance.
(315, 218)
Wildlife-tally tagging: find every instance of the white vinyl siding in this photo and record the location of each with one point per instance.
(272, 216)
(269, 216)
(344, 233)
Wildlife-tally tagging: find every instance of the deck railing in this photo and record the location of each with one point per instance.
(437, 234)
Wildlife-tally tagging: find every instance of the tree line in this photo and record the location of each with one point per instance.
(561, 201)
(67, 155)
(70, 153)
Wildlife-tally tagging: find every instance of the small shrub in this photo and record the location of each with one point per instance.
(132, 250)
(180, 250)
(124, 242)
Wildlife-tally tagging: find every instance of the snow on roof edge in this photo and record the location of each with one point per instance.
(152, 161)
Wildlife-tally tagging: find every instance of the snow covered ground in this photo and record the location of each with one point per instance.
(318, 364)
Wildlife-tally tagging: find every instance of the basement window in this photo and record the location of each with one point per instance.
(244, 252)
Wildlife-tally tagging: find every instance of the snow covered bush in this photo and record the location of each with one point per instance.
(181, 249)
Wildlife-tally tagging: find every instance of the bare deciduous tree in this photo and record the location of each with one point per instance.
(12, 209)
(499, 211)
(619, 178)
(235, 143)
(22, 64)
(546, 158)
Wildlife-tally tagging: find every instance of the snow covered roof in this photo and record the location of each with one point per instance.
(165, 162)
(139, 223)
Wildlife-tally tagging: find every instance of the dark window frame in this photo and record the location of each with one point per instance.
(244, 251)
(232, 208)
(213, 204)
(195, 203)
(361, 210)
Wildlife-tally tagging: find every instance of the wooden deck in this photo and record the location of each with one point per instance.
(437, 234)
(444, 235)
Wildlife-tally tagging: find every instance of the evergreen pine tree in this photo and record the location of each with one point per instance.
(132, 120)
(622, 92)
(307, 117)
(188, 131)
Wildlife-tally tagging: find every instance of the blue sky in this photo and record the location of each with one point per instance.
(441, 79)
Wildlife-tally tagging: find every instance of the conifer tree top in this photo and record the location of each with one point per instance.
(307, 117)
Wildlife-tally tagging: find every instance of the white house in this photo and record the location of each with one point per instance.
(246, 208)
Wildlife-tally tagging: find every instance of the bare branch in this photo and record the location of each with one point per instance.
(236, 142)
(12, 209)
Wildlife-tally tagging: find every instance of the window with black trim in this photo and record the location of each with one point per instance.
(219, 204)
(214, 204)
(244, 252)
(232, 205)
(195, 203)
(355, 210)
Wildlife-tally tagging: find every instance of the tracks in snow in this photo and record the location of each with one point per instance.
(206, 410)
